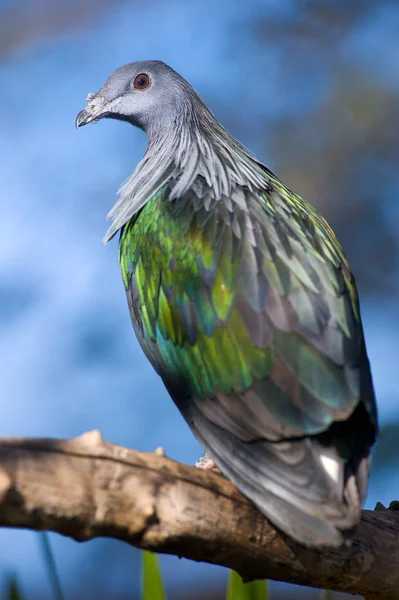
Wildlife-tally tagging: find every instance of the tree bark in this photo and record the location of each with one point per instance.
(86, 488)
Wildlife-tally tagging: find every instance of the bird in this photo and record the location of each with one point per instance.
(243, 301)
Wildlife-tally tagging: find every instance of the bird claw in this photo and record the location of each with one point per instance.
(206, 463)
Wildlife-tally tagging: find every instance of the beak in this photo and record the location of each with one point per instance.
(84, 117)
(97, 108)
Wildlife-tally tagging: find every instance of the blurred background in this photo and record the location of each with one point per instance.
(310, 86)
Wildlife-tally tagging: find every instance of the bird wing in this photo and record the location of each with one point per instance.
(254, 299)
(249, 312)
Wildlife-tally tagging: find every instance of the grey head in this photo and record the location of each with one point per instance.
(187, 147)
(148, 94)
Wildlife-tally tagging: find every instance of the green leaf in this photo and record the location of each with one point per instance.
(326, 595)
(13, 591)
(152, 586)
(238, 590)
(49, 561)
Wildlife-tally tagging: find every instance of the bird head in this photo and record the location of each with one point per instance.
(147, 94)
(186, 144)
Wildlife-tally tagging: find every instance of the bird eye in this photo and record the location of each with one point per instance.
(141, 82)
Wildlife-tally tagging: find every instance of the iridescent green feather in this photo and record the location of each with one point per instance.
(262, 296)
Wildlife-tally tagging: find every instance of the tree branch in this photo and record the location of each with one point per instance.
(86, 488)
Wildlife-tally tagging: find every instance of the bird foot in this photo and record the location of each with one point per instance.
(206, 464)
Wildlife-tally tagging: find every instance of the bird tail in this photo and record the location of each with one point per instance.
(311, 488)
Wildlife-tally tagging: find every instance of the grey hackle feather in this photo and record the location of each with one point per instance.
(184, 141)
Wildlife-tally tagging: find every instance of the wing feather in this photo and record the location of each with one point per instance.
(251, 317)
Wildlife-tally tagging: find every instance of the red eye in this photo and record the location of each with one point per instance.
(141, 82)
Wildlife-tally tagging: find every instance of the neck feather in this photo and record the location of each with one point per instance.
(180, 154)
